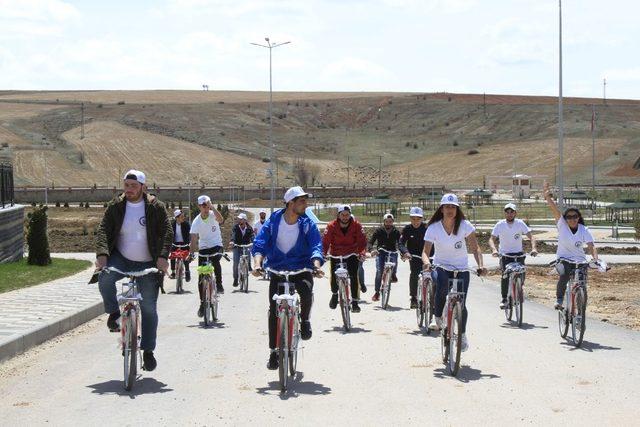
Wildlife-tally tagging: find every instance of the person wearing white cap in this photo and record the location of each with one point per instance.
(449, 232)
(134, 234)
(181, 228)
(260, 222)
(345, 236)
(386, 237)
(241, 234)
(510, 231)
(411, 243)
(206, 239)
(290, 241)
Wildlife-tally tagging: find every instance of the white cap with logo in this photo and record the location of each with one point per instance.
(387, 216)
(136, 175)
(177, 213)
(510, 206)
(449, 199)
(203, 199)
(343, 208)
(242, 215)
(416, 211)
(294, 192)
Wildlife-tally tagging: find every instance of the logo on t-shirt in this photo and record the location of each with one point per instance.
(143, 221)
(516, 237)
(578, 244)
(213, 228)
(458, 244)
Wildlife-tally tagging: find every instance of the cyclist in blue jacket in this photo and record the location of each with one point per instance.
(290, 241)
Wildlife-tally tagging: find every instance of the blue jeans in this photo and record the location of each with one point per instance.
(148, 287)
(380, 260)
(361, 273)
(441, 278)
(237, 253)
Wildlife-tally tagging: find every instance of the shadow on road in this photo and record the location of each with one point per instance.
(588, 346)
(217, 325)
(238, 291)
(142, 386)
(423, 333)
(525, 326)
(390, 308)
(295, 388)
(175, 293)
(465, 374)
(353, 330)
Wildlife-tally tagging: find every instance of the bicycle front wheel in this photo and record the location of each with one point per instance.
(455, 341)
(179, 273)
(420, 307)
(518, 301)
(130, 351)
(345, 309)
(295, 340)
(386, 290)
(283, 352)
(430, 304)
(207, 301)
(245, 277)
(580, 318)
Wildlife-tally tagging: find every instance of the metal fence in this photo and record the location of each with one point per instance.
(6, 184)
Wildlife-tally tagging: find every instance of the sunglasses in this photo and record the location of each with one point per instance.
(572, 216)
(509, 211)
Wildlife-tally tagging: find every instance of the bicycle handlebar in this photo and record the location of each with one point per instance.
(181, 246)
(205, 256)
(243, 246)
(386, 250)
(133, 273)
(524, 254)
(341, 256)
(289, 273)
(455, 270)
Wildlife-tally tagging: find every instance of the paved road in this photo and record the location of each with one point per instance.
(385, 372)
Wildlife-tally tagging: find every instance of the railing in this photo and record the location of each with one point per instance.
(6, 184)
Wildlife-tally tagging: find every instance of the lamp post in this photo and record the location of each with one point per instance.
(560, 121)
(272, 153)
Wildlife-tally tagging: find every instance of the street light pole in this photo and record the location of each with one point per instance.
(560, 121)
(272, 153)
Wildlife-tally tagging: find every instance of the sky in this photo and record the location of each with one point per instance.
(465, 46)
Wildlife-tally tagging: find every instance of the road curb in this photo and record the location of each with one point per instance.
(19, 344)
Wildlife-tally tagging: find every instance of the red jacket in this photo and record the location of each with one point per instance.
(337, 242)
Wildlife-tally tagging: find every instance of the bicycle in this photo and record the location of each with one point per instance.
(129, 301)
(387, 273)
(344, 289)
(515, 291)
(426, 296)
(288, 326)
(180, 255)
(574, 311)
(451, 333)
(211, 297)
(243, 268)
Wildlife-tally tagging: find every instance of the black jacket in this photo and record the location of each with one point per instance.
(412, 239)
(389, 241)
(237, 237)
(185, 227)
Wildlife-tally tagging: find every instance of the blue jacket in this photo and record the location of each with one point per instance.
(307, 248)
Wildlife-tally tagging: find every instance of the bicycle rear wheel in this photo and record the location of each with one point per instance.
(283, 352)
(345, 309)
(207, 301)
(444, 345)
(579, 320)
(245, 281)
(455, 342)
(179, 273)
(130, 351)
(386, 290)
(508, 309)
(518, 301)
(563, 322)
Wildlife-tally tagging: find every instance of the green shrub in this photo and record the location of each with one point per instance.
(636, 225)
(37, 239)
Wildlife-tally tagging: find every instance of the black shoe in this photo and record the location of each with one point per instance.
(112, 322)
(394, 279)
(149, 362)
(355, 308)
(305, 331)
(235, 283)
(414, 302)
(503, 304)
(363, 288)
(173, 275)
(201, 310)
(187, 276)
(273, 361)
(333, 303)
(220, 289)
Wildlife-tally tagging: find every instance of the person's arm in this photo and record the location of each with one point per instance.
(592, 250)
(315, 243)
(401, 243)
(476, 251)
(259, 249)
(426, 250)
(193, 244)
(102, 243)
(327, 237)
(492, 245)
(166, 229)
(552, 204)
(216, 214)
(372, 240)
(361, 241)
(534, 247)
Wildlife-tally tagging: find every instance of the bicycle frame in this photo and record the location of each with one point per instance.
(344, 284)
(210, 291)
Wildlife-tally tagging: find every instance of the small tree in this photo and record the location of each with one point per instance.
(636, 225)
(37, 239)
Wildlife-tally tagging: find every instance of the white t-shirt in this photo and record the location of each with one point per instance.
(287, 235)
(510, 235)
(571, 246)
(450, 250)
(208, 231)
(132, 240)
(257, 227)
(178, 236)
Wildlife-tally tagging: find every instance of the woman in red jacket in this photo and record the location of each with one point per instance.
(345, 236)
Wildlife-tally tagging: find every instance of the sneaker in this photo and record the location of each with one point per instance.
(376, 297)
(394, 279)
(187, 276)
(201, 310)
(558, 306)
(149, 362)
(363, 288)
(112, 322)
(333, 303)
(220, 289)
(355, 308)
(414, 302)
(465, 343)
(503, 304)
(235, 283)
(436, 323)
(305, 330)
(172, 275)
(273, 361)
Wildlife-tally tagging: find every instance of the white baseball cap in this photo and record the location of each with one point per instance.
(387, 216)
(263, 211)
(510, 206)
(294, 192)
(343, 208)
(242, 216)
(135, 175)
(177, 213)
(449, 199)
(203, 199)
(416, 211)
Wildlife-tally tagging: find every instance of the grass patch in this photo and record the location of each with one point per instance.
(16, 275)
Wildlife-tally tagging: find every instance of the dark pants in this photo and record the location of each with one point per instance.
(504, 261)
(217, 268)
(564, 279)
(237, 254)
(352, 265)
(361, 272)
(380, 260)
(441, 278)
(304, 287)
(416, 268)
(173, 261)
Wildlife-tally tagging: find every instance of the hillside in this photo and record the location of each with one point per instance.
(221, 137)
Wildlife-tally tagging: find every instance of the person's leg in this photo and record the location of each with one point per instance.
(172, 261)
(465, 278)
(441, 278)
(107, 283)
(272, 320)
(380, 259)
(562, 283)
(363, 287)
(304, 287)
(394, 259)
(352, 266)
(504, 281)
(217, 268)
(237, 252)
(416, 268)
(333, 264)
(149, 286)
